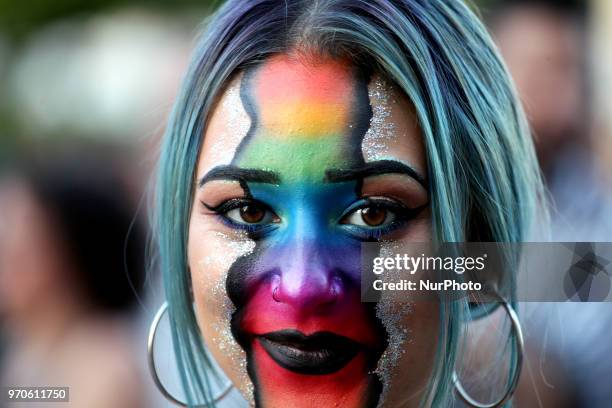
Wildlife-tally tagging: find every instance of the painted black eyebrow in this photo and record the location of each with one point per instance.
(374, 168)
(243, 176)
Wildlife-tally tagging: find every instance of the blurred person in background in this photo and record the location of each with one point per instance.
(545, 47)
(71, 260)
(544, 44)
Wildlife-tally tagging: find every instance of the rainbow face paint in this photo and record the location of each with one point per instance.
(296, 186)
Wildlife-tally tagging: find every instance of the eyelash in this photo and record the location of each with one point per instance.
(222, 209)
(402, 214)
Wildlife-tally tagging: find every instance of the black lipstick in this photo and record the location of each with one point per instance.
(316, 354)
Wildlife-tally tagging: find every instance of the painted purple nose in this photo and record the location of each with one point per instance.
(306, 283)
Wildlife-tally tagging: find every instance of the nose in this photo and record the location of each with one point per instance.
(308, 279)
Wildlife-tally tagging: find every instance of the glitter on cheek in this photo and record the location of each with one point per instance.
(224, 252)
(392, 314)
(382, 130)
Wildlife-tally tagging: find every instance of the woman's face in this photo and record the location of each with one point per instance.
(303, 160)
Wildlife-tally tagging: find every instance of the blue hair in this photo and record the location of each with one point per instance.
(484, 180)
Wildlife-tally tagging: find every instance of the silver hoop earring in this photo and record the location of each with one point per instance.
(153, 370)
(518, 335)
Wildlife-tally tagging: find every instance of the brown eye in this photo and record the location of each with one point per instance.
(252, 214)
(373, 216)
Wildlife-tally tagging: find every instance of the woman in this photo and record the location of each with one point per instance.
(70, 267)
(304, 129)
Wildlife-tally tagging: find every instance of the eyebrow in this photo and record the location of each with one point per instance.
(229, 172)
(374, 168)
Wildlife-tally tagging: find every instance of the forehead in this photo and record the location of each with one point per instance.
(299, 117)
(295, 98)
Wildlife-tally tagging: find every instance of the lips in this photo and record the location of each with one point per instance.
(305, 355)
(316, 354)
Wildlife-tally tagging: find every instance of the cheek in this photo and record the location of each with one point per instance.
(412, 328)
(406, 364)
(210, 255)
